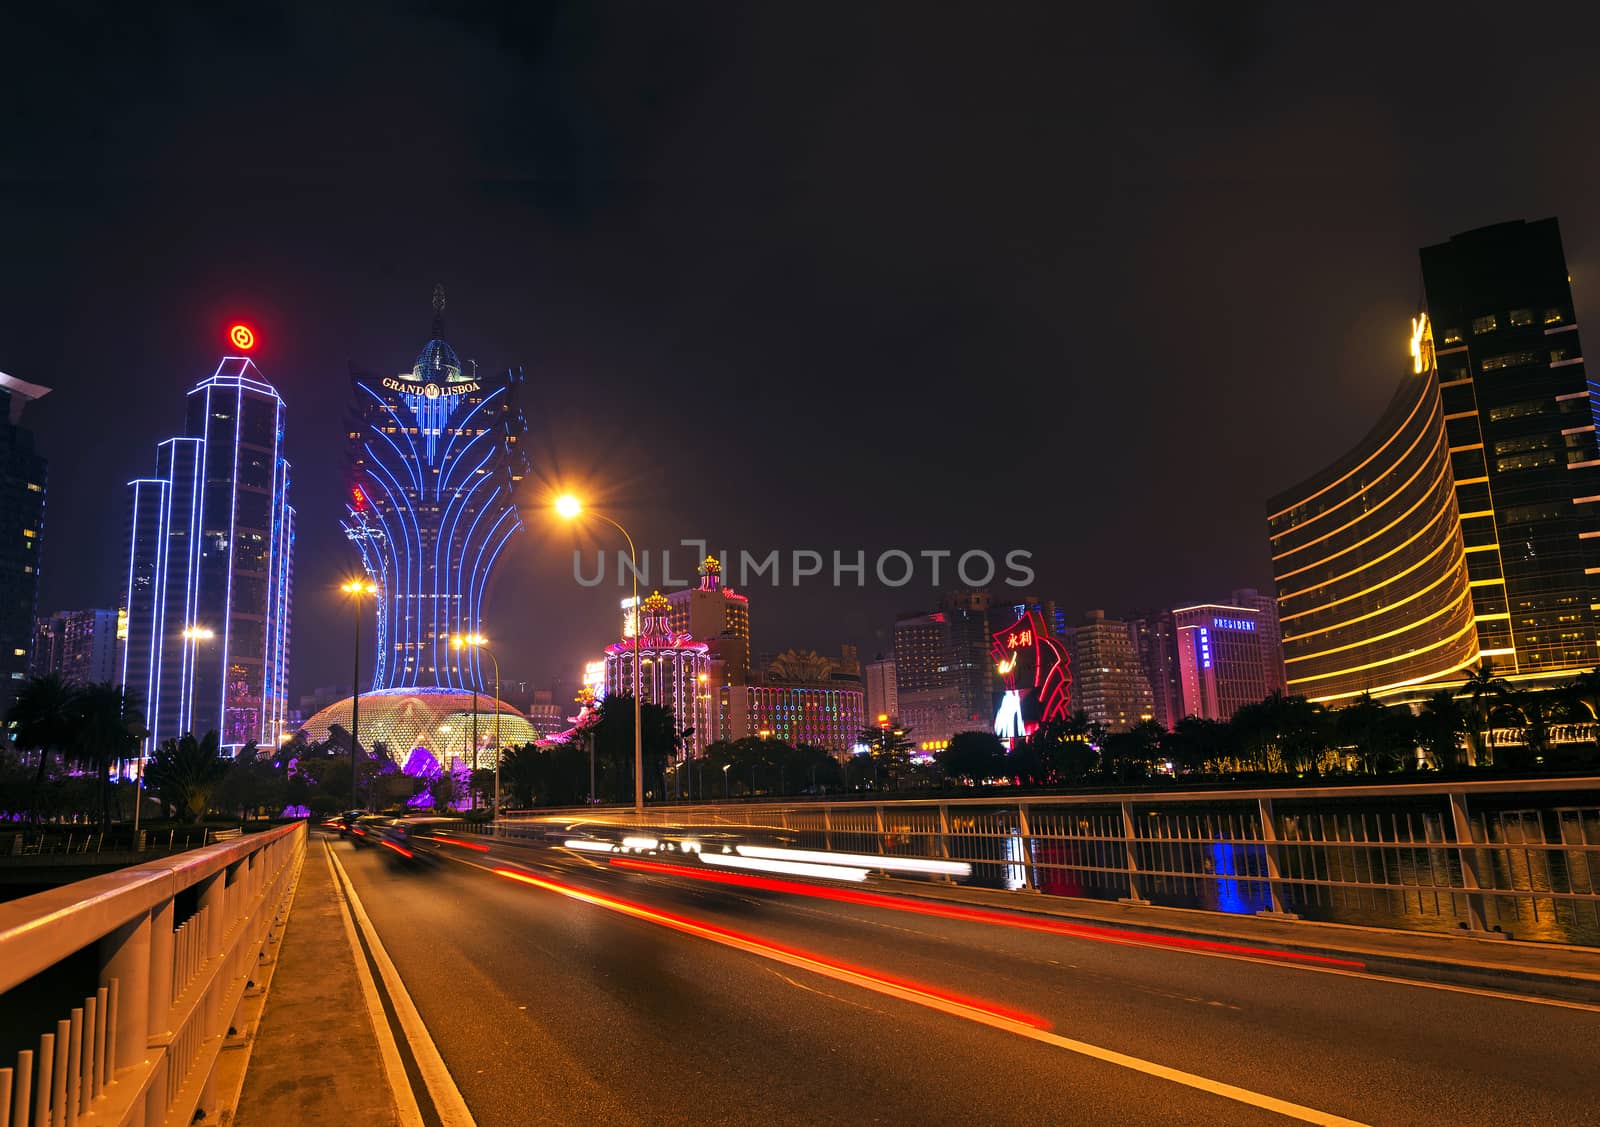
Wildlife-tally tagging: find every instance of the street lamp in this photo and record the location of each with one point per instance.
(479, 642)
(569, 507)
(356, 588)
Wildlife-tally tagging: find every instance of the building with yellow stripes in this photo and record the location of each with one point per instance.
(1466, 525)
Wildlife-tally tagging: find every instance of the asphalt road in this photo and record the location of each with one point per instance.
(550, 1009)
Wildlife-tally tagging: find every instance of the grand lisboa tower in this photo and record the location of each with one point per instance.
(434, 466)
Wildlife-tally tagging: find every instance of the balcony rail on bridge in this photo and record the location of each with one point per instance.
(162, 954)
(1482, 857)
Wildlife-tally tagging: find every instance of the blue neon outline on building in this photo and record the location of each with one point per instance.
(434, 466)
(187, 549)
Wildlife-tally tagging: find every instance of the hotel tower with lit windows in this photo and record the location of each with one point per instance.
(1466, 526)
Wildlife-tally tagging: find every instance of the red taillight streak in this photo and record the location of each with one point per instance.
(462, 844)
(978, 915)
(789, 954)
(358, 830)
(400, 849)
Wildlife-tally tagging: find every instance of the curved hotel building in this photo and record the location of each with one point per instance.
(1466, 525)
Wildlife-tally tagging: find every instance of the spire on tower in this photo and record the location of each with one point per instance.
(438, 310)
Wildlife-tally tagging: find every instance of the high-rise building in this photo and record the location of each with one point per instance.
(1155, 642)
(1108, 681)
(79, 646)
(1466, 525)
(22, 485)
(1521, 425)
(929, 699)
(435, 465)
(547, 717)
(882, 702)
(1223, 663)
(718, 616)
(1266, 607)
(210, 568)
(968, 665)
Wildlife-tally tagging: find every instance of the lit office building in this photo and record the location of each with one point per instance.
(882, 701)
(968, 665)
(210, 568)
(1156, 645)
(1521, 426)
(718, 616)
(79, 646)
(22, 486)
(1266, 608)
(1108, 681)
(929, 699)
(1223, 662)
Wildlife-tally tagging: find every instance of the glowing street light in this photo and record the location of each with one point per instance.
(479, 642)
(357, 588)
(569, 507)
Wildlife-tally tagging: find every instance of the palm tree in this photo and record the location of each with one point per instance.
(42, 719)
(1585, 691)
(109, 729)
(1484, 690)
(1441, 726)
(185, 771)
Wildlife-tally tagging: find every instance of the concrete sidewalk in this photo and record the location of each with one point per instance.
(316, 1057)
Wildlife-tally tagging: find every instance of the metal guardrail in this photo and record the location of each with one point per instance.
(1478, 856)
(177, 941)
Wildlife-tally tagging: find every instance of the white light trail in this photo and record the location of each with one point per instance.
(865, 860)
(789, 868)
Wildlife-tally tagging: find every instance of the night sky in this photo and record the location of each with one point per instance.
(1090, 282)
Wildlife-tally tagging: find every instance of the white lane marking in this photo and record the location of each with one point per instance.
(447, 1099)
(957, 1009)
(394, 1070)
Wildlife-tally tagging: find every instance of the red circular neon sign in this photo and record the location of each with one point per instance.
(242, 337)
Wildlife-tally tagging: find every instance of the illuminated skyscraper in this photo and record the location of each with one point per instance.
(1224, 660)
(1108, 681)
(718, 616)
(210, 568)
(22, 482)
(434, 465)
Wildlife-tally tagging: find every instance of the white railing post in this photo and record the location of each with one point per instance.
(1467, 854)
(1026, 838)
(1269, 838)
(1129, 838)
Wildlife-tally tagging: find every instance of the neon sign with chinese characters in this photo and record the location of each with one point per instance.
(1034, 669)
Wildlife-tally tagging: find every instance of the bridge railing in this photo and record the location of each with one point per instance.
(1475, 856)
(175, 942)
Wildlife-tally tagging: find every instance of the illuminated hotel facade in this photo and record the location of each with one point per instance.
(1226, 659)
(434, 466)
(210, 569)
(674, 671)
(1466, 526)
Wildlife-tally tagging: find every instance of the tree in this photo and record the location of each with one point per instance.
(612, 733)
(42, 720)
(185, 771)
(1440, 727)
(1196, 744)
(1129, 756)
(973, 756)
(890, 748)
(108, 730)
(1484, 691)
(1380, 735)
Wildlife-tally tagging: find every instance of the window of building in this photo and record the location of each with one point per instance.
(1530, 514)
(1524, 444)
(1519, 410)
(1485, 324)
(1452, 336)
(1554, 316)
(1521, 316)
(1507, 360)
(1528, 461)
(1558, 354)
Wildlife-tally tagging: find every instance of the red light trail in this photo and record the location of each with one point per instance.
(979, 915)
(459, 844)
(807, 960)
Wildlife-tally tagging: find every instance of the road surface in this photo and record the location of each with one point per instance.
(566, 989)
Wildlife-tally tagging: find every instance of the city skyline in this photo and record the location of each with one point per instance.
(755, 309)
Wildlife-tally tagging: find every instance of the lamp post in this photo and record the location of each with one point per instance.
(356, 589)
(479, 642)
(725, 767)
(569, 508)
